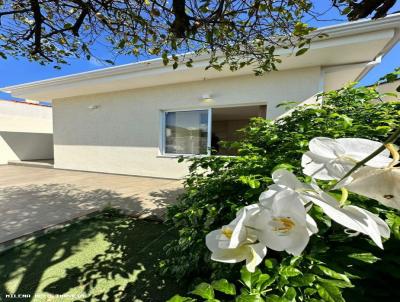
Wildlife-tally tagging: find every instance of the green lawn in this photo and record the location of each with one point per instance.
(106, 258)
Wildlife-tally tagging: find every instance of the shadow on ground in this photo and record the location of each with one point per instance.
(24, 209)
(106, 258)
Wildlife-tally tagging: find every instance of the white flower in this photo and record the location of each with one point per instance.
(252, 253)
(332, 158)
(235, 233)
(382, 185)
(284, 223)
(352, 217)
(283, 180)
(236, 242)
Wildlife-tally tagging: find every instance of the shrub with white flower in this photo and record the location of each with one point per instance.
(280, 220)
(326, 194)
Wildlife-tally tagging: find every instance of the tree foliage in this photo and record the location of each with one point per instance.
(334, 266)
(242, 32)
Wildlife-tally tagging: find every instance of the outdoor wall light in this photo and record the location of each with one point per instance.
(207, 98)
(92, 107)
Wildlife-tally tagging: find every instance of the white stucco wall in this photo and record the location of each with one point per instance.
(25, 132)
(123, 134)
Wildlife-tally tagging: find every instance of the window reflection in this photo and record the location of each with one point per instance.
(186, 132)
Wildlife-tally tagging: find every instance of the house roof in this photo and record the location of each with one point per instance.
(28, 102)
(348, 53)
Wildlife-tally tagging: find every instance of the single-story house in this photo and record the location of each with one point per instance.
(137, 118)
(26, 131)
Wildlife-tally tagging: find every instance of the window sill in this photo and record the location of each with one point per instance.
(179, 155)
(191, 155)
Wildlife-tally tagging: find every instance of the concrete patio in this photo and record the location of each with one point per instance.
(33, 199)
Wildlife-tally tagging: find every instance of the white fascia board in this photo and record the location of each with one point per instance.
(360, 26)
(153, 65)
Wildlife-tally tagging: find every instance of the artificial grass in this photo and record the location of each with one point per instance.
(106, 258)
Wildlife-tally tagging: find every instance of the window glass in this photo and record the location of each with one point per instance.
(186, 132)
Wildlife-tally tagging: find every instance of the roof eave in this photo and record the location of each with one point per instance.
(334, 31)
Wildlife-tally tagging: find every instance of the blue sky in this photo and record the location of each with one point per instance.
(18, 70)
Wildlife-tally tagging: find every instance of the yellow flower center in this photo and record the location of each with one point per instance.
(283, 224)
(345, 195)
(227, 232)
(395, 154)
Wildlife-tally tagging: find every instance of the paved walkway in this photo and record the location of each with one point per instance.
(32, 199)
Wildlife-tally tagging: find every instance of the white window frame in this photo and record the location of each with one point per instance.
(162, 152)
(162, 131)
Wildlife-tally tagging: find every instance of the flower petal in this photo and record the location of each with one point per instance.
(360, 148)
(232, 255)
(266, 197)
(326, 147)
(299, 241)
(312, 227)
(383, 228)
(212, 240)
(288, 204)
(369, 225)
(382, 185)
(315, 166)
(287, 207)
(239, 231)
(258, 252)
(287, 179)
(351, 217)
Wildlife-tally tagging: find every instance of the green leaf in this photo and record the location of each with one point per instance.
(383, 129)
(331, 273)
(245, 276)
(346, 10)
(189, 63)
(109, 62)
(275, 298)
(393, 221)
(301, 51)
(283, 166)
(310, 291)
(304, 280)
(290, 294)
(250, 181)
(289, 271)
(364, 257)
(263, 281)
(178, 298)
(270, 263)
(330, 293)
(121, 43)
(347, 122)
(335, 282)
(204, 290)
(224, 286)
(254, 183)
(244, 297)
(165, 58)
